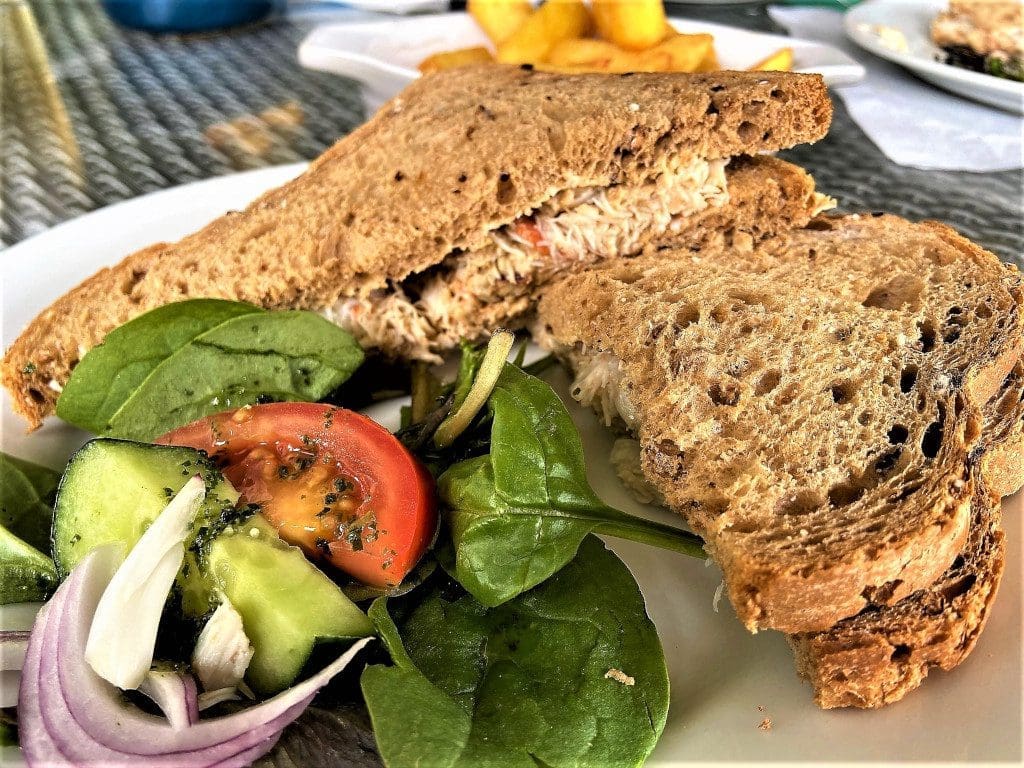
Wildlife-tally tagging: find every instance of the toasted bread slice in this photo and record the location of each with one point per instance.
(883, 653)
(808, 405)
(453, 157)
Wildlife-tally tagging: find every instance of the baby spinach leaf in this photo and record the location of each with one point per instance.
(108, 375)
(27, 491)
(527, 683)
(207, 366)
(519, 513)
(26, 574)
(26, 510)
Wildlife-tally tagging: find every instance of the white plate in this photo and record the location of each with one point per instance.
(913, 19)
(383, 54)
(720, 673)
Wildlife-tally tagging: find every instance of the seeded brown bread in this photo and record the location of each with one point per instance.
(809, 405)
(451, 157)
(883, 653)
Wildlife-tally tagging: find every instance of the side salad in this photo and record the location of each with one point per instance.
(235, 543)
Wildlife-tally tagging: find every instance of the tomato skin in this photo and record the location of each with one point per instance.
(330, 480)
(528, 230)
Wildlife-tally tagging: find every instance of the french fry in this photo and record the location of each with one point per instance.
(581, 54)
(635, 25)
(553, 22)
(457, 58)
(781, 61)
(499, 18)
(709, 62)
(682, 53)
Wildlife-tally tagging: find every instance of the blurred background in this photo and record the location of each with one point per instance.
(107, 100)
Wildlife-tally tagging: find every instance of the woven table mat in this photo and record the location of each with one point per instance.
(142, 112)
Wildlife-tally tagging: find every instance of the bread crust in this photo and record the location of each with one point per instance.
(452, 156)
(881, 655)
(884, 263)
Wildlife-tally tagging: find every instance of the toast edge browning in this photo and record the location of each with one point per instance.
(864, 667)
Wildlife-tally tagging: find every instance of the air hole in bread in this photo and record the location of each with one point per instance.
(843, 494)
(349, 219)
(712, 109)
(928, 335)
(801, 503)
(952, 334)
(820, 224)
(864, 418)
(753, 109)
(887, 461)
(932, 440)
(747, 132)
(898, 434)
(900, 654)
(900, 291)
(842, 392)
(724, 393)
(136, 277)
(956, 588)
(908, 377)
(777, 93)
(983, 311)
(685, 317)
(769, 380)
(506, 189)
(36, 396)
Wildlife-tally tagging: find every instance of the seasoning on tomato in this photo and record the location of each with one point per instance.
(330, 480)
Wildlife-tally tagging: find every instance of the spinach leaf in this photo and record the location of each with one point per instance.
(247, 356)
(108, 375)
(26, 500)
(525, 684)
(27, 492)
(518, 514)
(26, 574)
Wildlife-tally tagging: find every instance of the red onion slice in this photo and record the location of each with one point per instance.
(68, 715)
(176, 695)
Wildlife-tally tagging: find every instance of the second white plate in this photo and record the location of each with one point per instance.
(870, 23)
(383, 55)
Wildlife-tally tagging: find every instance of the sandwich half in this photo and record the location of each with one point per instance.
(812, 406)
(446, 213)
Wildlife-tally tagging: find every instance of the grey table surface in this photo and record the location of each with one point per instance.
(107, 113)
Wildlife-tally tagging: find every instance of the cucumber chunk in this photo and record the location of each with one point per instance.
(113, 489)
(286, 604)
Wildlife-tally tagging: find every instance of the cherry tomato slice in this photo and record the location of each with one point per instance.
(330, 480)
